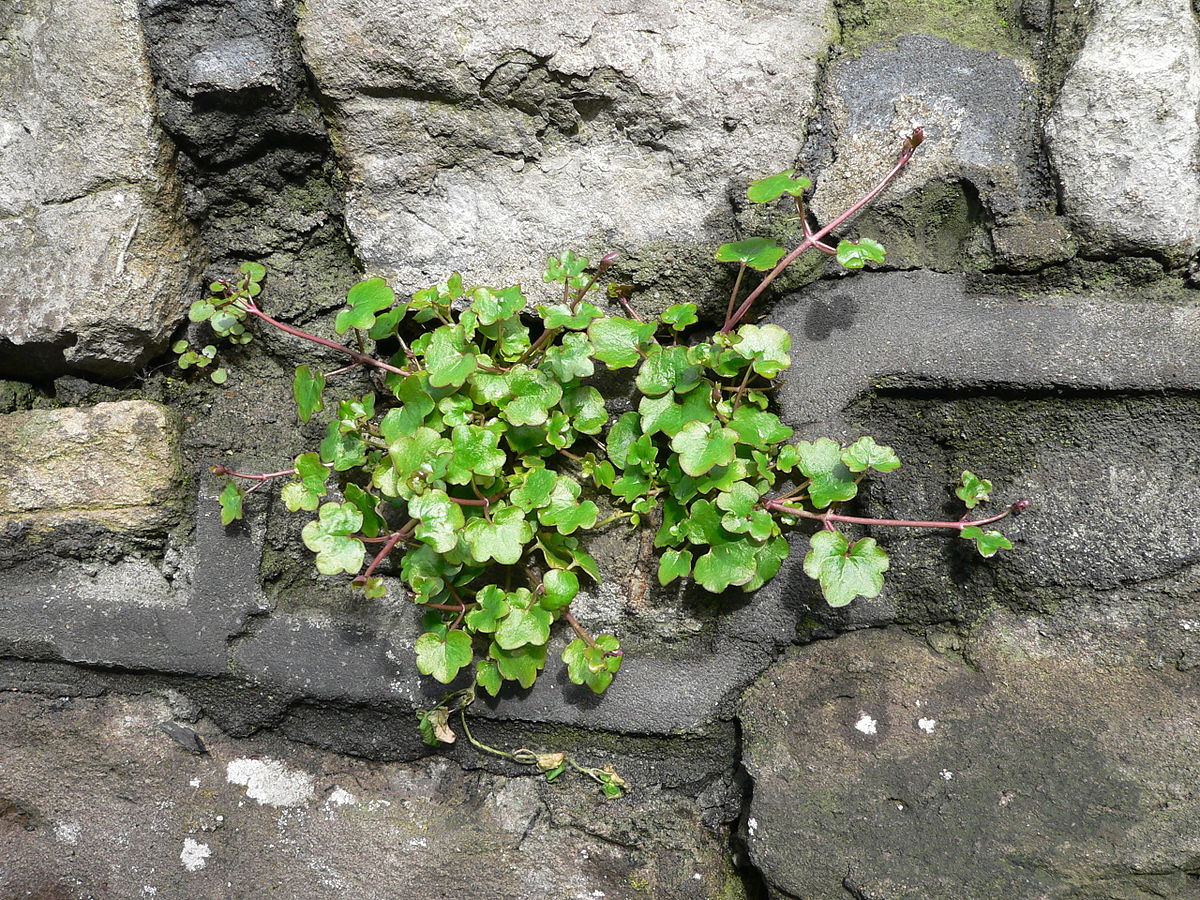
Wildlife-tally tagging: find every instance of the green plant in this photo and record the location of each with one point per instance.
(480, 455)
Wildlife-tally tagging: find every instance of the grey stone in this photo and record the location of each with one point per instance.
(1033, 769)
(115, 464)
(94, 252)
(230, 67)
(483, 138)
(1124, 133)
(96, 801)
(979, 115)
(921, 328)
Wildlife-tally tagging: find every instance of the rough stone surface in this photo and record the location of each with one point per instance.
(94, 253)
(979, 164)
(97, 801)
(1031, 768)
(920, 329)
(1125, 131)
(482, 139)
(115, 464)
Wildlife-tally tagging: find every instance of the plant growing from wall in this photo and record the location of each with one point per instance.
(477, 460)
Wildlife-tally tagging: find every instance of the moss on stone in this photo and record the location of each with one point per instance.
(978, 24)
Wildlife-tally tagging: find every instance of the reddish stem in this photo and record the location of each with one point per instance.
(392, 539)
(266, 476)
(363, 358)
(583, 635)
(829, 517)
(906, 153)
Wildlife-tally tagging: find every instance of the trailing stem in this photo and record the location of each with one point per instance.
(813, 239)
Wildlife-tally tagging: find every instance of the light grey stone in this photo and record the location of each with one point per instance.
(94, 251)
(484, 137)
(114, 464)
(1124, 134)
(1033, 768)
(230, 67)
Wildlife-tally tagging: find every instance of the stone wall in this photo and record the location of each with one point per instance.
(189, 710)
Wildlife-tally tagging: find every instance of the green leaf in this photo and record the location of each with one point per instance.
(475, 451)
(585, 406)
(416, 404)
(307, 388)
(491, 306)
(306, 493)
(200, 311)
(865, 454)
(329, 537)
(503, 539)
(592, 666)
(564, 267)
(420, 457)
(679, 316)
(702, 445)
(343, 450)
(534, 492)
(520, 665)
(758, 428)
(527, 622)
(534, 392)
(559, 315)
(669, 414)
(564, 511)
(989, 543)
(757, 253)
(974, 490)
(492, 608)
(855, 256)
(448, 358)
(366, 299)
(727, 564)
(674, 564)
(511, 337)
(621, 437)
(766, 348)
(443, 657)
(373, 524)
(231, 502)
(487, 676)
(570, 359)
(666, 369)
(764, 190)
(830, 480)
(559, 588)
(441, 520)
(256, 272)
(845, 571)
(618, 341)
(767, 559)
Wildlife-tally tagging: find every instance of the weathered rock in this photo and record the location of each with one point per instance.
(483, 138)
(94, 253)
(95, 800)
(115, 464)
(882, 769)
(1125, 131)
(978, 165)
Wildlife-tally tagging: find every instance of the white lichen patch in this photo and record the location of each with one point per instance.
(946, 774)
(866, 724)
(752, 826)
(927, 725)
(194, 855)
(68, 832)
(270, 782)
(341, 797)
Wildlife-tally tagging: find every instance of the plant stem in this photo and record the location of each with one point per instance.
(906, 153)
(583, 635)
(462, 712)
(828, 517)
(267, 476)
(737, 286)
(391, 542)
(363, 358)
